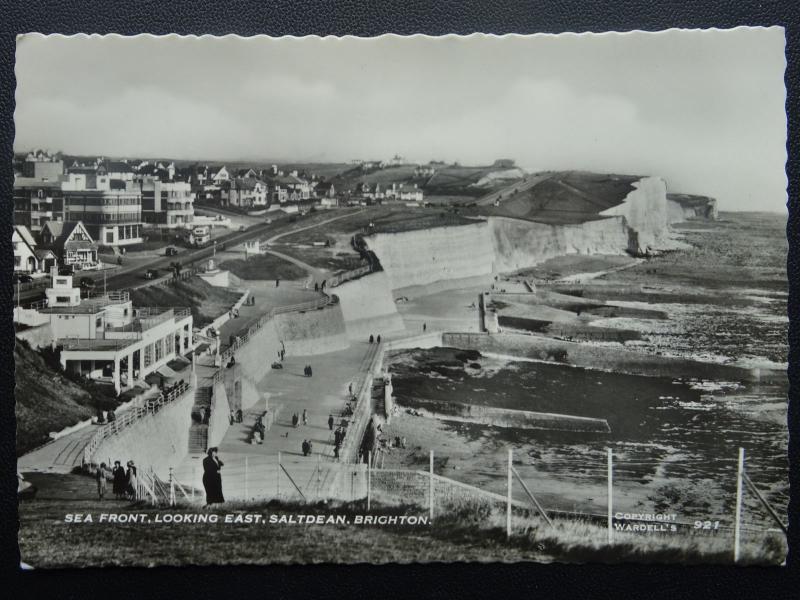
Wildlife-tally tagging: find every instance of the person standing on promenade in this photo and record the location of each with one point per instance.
(212, 479)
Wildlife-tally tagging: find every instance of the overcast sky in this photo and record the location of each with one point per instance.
(704, 110)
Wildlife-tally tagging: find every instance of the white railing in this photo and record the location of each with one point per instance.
(129, 417)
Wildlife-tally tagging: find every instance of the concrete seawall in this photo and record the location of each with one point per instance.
(504, 417)
(160, 440)
(316, 331)
(605, 358)
(368, 306)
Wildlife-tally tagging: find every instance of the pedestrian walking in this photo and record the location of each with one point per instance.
(310, 447)
(295, 420)
(212, 479)
(336, 452)
(119, 480)
(310, 372)
(371, 338)
(316, 286)
(424, 327)
(350, 388)
(305, 417)
(304, 446)
(232, 417)
(239, 415)
(330, 422)
(379, 338)
(100, 476)
(277, 282)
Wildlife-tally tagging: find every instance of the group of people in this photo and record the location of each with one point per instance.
(307, 447)
(123, 481)
(372, 338)
(233, 313)
(205, 415)
(296, 418)
(235, 416)
(307, 371)
(320, 287)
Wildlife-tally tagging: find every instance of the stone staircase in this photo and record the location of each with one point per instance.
(198, 432)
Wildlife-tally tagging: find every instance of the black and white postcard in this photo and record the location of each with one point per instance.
(401, 299)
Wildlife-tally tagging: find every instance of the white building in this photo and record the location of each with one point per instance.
(108, 339)
(25, 259)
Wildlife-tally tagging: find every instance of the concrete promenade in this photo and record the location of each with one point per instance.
(252, 470)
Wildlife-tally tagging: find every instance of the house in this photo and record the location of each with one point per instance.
(116, 170)
(197, 235)
(25, 259)
(405, 192)
(325, 189)
(221, 175)
(247, 192)
(290, 187)
(70, 242)
(246, 174)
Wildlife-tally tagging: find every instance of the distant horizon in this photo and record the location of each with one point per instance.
(703, 109)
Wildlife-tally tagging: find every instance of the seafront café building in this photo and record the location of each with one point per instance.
(106, 338)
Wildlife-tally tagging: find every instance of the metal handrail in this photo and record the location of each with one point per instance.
(131, 416)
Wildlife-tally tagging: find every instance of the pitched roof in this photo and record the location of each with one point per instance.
(26, 235)
(61, 230)
(246, 183)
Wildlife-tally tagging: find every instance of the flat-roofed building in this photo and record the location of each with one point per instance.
(167, 204)
(107, 338)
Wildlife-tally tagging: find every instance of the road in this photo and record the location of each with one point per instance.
(131, 277)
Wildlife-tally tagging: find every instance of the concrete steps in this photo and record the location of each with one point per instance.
(198, 438)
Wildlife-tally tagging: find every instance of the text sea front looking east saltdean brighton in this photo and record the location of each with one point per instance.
(530, 311)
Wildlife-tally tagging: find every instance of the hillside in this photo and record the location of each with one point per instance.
(205, 301)
(469, 181)
(47, 401)
(561, 197)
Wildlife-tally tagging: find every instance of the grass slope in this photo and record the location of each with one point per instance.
(47, 401)
(461, 532)
(205, 301)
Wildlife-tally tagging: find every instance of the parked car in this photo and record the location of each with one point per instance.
(25, 489)
(242, 228)
(66, 270)
(151, 274)
(171, 251)
(21, 278)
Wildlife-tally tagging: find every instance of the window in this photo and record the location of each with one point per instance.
(61, 299)
(40, 194)
(168, 345)
(159, 350)
(109, 237)
(17, 261)
(148, 355)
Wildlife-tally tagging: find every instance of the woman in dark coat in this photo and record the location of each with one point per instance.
(212, 480)
(120, 480)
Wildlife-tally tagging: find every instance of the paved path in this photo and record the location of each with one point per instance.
(252, 470)
(59, 456)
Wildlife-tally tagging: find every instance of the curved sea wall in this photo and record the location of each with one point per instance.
(520, 244)
(368, 306)
(441, 253)
(160, 440)
(645, 210)
(316, 331)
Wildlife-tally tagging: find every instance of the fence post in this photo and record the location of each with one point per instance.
(610, 496)
(508, 503)
(738, 516)
(278, 477)
(430, 489)
(194, 481)
(246, 496)
(369, 476)
(171, 488)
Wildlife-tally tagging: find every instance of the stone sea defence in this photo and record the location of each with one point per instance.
(159, 440)
(606, 358)
(441, 253)
(504, 417)
(368, 306)
(315, 331)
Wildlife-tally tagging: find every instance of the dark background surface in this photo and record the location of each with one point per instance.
(341, 17)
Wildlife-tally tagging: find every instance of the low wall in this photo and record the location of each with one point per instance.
(160, 440)
(30, 317)
(515, 419)
(605, 358)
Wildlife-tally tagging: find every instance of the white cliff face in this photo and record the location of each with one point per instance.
(645, 209)
(521, 244)
(502, 244)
